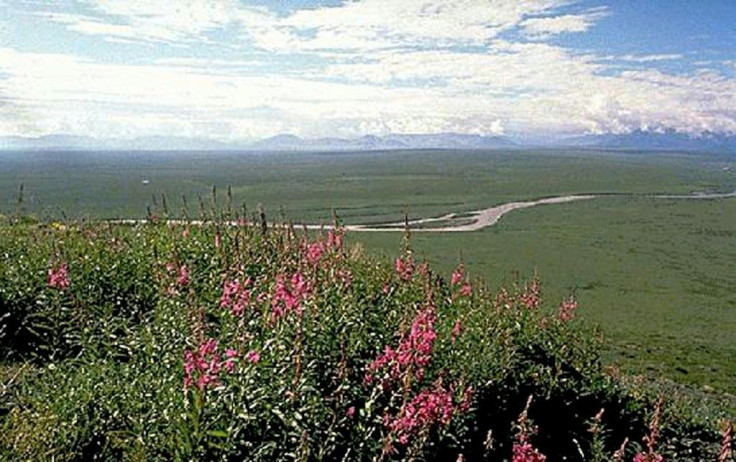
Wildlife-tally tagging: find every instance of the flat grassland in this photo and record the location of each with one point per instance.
(658, 275)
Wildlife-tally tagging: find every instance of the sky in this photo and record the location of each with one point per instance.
(242, 70)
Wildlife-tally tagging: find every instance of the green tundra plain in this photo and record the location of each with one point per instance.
(656, 274)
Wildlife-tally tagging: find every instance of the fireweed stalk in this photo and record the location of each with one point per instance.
(400, 367)
(568, 307)
(459, 282)
(523, 451)
(651, 439)
(413, 353)
(726, 451)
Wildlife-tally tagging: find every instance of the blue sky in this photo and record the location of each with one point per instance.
(238, 70)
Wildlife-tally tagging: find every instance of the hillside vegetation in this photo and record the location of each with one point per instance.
(214, 342)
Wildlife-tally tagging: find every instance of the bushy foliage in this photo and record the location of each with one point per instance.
(228, 342)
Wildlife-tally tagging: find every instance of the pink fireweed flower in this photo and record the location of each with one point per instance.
(467, 399)
(230, 354)
(209, 347)
(350, 413)
(568, 308)
(314, 252)
(202, 366)
(414, 352)
(334, 238)
(183, 277)
(404, 267)
(433, 406)
(59, 277)
(458, 275)
(459, 282)
(456, 331)
(531, 296)
(230, 290)
(236, 296)
(525, 452)
(424, 269)
(642, 457)
(253, 357)
(289, 295)
(725, 453)
(651, 439)
(618, 456)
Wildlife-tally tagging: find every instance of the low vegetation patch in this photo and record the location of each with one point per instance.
(214, 342)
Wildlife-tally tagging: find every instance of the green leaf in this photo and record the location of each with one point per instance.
(218, 433)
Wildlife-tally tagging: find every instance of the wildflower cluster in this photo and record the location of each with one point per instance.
(404, 267)
(434, 405)
(203, 366)
(289, 295)
(308, 314)
(430, 406)
(236, 296)
(530, 297)
(59, 277)
(414, 352)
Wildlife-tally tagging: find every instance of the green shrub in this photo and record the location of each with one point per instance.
(215, 342)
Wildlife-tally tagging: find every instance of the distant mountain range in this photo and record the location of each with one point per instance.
(276, 143)
(68, 142)
(643, 140)
(635, 140)
(378, 143)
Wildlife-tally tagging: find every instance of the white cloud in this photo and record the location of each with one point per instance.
(355, 25)
(370, 66)
(159, 20)
(543, 27)
(73, 95)
(372, 24)
(649, 58)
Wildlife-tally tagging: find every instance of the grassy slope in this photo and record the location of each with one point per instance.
(106, 378)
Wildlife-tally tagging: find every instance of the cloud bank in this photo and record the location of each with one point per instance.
(227, 70)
